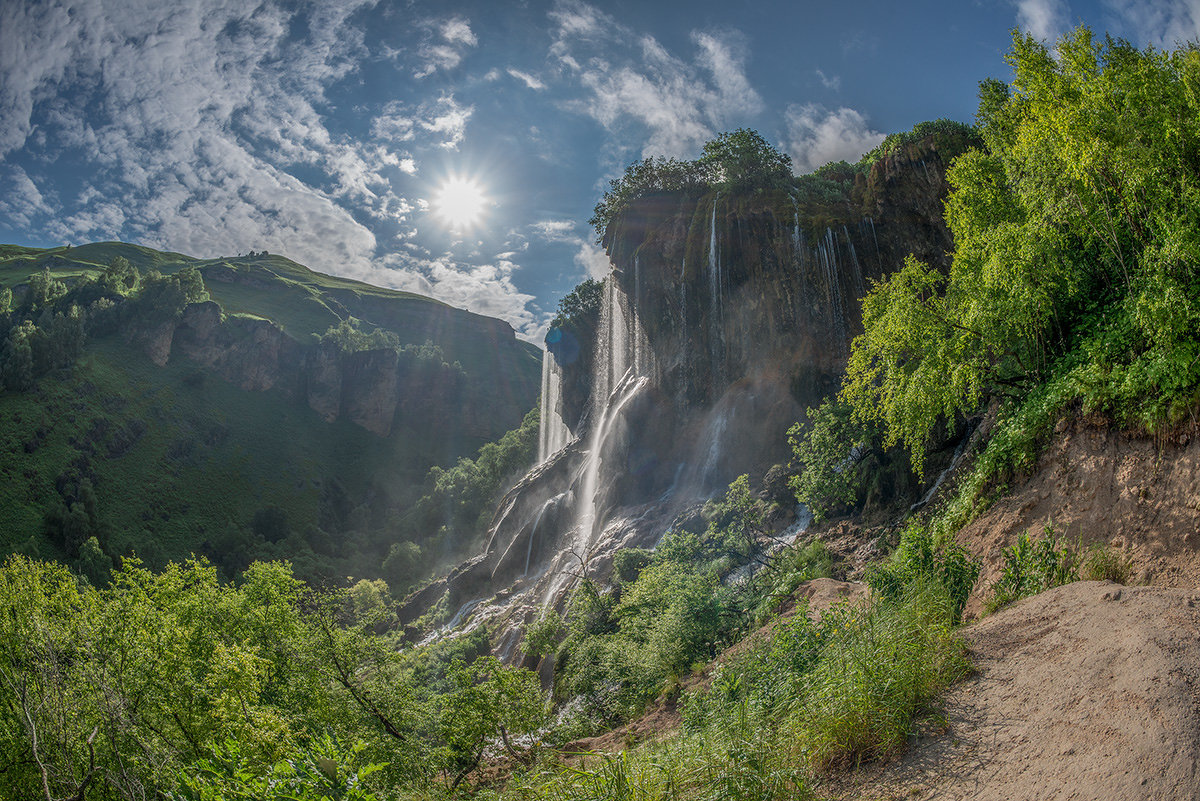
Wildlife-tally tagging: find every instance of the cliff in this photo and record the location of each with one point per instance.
(242, 427)
(723, 318)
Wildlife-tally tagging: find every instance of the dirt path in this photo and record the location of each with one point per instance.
(1088, 691)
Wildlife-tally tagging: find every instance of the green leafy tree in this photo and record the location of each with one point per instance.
(16, 357)
(742, 161)
(830, 457)
(640, 179)
(1076, 240)
(119, 276)
(44, 289)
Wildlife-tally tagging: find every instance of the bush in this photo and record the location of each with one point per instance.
(879, 668)
(918, 559)
(1031, 567)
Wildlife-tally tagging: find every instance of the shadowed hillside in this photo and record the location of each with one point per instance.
(238, 408)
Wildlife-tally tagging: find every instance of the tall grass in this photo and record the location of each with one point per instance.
(811, 697)
(880, 667)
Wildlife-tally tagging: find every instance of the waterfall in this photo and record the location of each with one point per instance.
(623, 369)
(553, 433)
(714, 266)
(589, 518)
(827, 256)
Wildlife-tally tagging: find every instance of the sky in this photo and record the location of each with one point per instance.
(456, 148)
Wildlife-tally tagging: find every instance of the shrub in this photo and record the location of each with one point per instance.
(917, 559)
(880, 667)
(1030, 567)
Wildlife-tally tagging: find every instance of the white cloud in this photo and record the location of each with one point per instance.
(554, 230)
(458, 31)
(833, 82)
(631, 79)
(22, 203)
(481, 288)
(817, 136)
(593, 260)
(531, 81)
(1162, 23)
(449, 119)
(456, 36)
(590, 258)
(1045, 19)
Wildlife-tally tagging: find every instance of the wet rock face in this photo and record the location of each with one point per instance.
(729, 286)
(723, 319)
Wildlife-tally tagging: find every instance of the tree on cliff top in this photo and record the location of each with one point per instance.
(742, 161)
(738, 161)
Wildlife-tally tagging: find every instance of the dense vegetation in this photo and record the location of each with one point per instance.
(739, 161)
(1074, 277)
(1074, 282)
(105, 455)
(178, 684)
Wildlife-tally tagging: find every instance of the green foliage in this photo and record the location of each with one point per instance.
(880, 666)
(348, 336)
(322, 771)
(543, 635)
(628, 563)
(737, 162)
(1104, 563)
(947, 135)
(44, 290)
(164, 297)
(579, 310)
(16, 357)
(1074, 268)
(642, 178)
(119, 276)
(828, 454)
(453, 512)
(1031, 567)
(742, 161)
(774, 584)
(257, 690)
(918, 559)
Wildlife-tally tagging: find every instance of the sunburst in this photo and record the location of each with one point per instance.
(460, 202)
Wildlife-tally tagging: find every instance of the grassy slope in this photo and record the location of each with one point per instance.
(212, 455)
(301, 301)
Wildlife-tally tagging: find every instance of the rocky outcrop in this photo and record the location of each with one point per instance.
(375, 389)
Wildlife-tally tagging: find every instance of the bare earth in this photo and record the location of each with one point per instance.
(1087, 691)
(1100, 486)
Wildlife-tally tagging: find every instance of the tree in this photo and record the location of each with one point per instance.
(44, 289)
(742, 161)
(1077, 235)
(120, 276)
(16, 357)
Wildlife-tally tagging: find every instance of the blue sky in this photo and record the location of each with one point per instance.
(325, 131)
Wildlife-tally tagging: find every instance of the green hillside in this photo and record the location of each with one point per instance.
(166, 461)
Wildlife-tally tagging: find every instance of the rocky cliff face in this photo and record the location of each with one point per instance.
(723, 318)
(378, 390)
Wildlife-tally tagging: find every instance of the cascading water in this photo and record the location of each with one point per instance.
(589, 520)
(553, 433)
(764, 312)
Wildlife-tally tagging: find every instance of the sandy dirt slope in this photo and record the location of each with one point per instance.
(1087, 691)
(1100, 486)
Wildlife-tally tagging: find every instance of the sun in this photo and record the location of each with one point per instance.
(460, 202)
